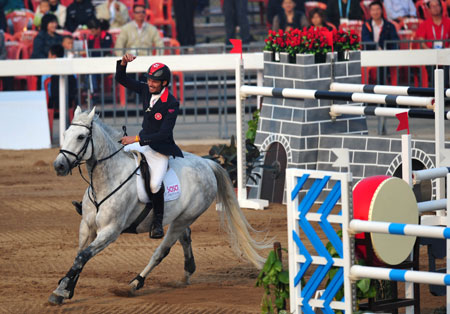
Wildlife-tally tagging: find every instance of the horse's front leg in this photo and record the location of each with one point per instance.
(66, 287)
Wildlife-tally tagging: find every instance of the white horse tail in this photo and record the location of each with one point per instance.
(234, 221)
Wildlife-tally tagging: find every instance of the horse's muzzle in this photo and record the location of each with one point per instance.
(61, 166)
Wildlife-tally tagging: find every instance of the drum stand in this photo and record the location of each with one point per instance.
(393, 304)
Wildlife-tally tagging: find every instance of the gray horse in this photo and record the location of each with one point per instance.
(110, 204)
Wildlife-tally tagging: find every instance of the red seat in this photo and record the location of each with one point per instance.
(21, 21)
(411, 23)
(66, 3)
(26, 38)
(161, 15)
(424, 13)
(15, 51)
(364, 4)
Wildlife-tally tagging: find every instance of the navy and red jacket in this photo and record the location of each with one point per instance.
(159, 121)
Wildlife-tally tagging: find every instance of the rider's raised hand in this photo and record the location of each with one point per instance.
(128, 57)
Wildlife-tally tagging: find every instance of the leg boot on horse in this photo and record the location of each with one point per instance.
(156, 229)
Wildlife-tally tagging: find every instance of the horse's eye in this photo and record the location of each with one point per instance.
(81, 137)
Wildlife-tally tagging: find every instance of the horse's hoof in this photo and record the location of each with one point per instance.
(55, 299)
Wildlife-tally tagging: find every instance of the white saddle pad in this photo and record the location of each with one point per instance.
(171, 184)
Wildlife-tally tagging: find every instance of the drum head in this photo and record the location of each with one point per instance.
(393, 201)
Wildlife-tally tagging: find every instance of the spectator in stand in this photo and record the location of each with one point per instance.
(12, 5)
(184, 16)
(78, 14)
(289, 18)
(99, 39)
(436, 28)
(42, 9)
(340, 11)
(57, 51)
(46, 37)
(7, 81)
(317, 19)
(2, 16)
(274, 7)
(114, 11)
(67, 43)
(139, 34)
(235, 12)
(59, 10)
(397, 10)
(377, 29)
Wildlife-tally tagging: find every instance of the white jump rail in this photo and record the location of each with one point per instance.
(337, 110)
(427, 102)
(385, 89)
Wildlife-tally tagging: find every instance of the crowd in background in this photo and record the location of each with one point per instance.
(140, 26)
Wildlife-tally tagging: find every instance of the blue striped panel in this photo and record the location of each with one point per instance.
(396, 228)
(300, 182)
(397, 274)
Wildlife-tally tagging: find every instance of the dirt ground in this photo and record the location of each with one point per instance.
(39, 240)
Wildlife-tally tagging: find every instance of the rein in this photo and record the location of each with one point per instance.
(78, 162)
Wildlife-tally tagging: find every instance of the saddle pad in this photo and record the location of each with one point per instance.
(171, 184)
(171, 181)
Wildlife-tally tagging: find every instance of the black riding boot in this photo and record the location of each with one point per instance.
(156, 229)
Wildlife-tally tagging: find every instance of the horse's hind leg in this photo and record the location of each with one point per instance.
(176, 229)
(189, 263)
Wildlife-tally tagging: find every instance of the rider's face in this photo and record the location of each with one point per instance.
(154, 86)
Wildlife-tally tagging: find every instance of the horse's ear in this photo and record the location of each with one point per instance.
(77, 111)
(91, 115)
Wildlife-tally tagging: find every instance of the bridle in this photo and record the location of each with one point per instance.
(79, 156)
(79, 161)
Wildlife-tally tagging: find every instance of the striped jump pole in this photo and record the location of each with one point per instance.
(247, 90)
(382, 273)
(337, 110)
(385, 89)
(428, 174)
(357, 226)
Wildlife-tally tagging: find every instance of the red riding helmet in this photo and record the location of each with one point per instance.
(159, 72)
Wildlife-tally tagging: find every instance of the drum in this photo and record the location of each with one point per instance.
(388, 199)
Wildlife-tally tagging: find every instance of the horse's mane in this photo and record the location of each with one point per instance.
(113, 133)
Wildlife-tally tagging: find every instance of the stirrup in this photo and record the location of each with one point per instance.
(78, 207)
(156, 231)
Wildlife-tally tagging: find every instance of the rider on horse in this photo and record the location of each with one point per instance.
(156, 137)
(160, 114)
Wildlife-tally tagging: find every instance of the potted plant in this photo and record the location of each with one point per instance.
(344, 42)
(275, 42)
(226, 156)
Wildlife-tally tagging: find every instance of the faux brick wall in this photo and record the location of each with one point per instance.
(306, 131)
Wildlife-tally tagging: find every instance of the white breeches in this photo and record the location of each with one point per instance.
(157, 162)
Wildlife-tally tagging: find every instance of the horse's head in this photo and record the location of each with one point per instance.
(77, 145)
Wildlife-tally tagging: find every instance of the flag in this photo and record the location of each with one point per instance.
(329, 36)
(403, 121)
(237, 46)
